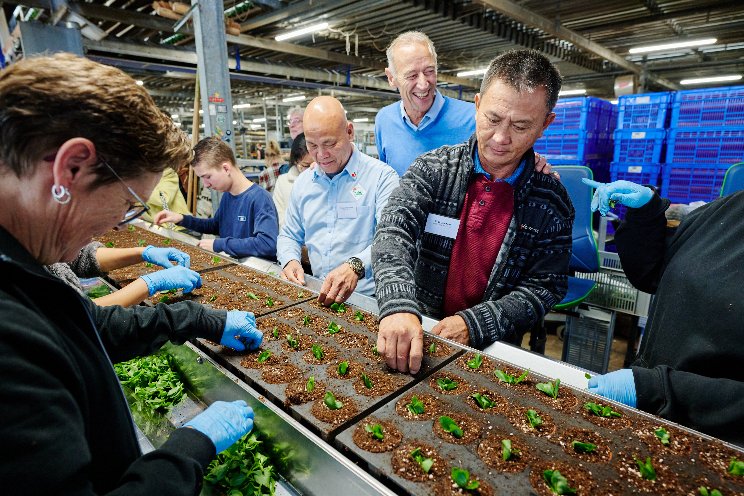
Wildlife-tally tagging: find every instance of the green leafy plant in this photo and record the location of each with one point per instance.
(212, 298)
(367, 381)
(433, 347)
(130, 228)
(300, 294)
(374, 351)
(148, 264)
(557, 483)
(339, 308)
(242, 469)
(263, 356)
(152, 381)
(476, 361)
(483, 400)
(662, 435)
(601, 411)
(331, 402)
(275, 332)
(587, 375)
(510, 379)
(416, 406)
(310, 385)
(449, 425)
(292, 342)
(446, 384)
(333, 328)
(167, 241)
(424, 463)
(646, 468)
(318, 352)
(461, 477)
(358, 316)
(269, 301)
(342, 368)
(534, 419)
(306, 320)
(580, 447)
(736, 467)
(507, 452)
(549, 388)
(141, 242)
(375, 430)
(164, 299)
(98, 291)
(109, 244)
(251, 296)
(704, 491)
(216, 259)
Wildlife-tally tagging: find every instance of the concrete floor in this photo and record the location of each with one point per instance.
(554, 349)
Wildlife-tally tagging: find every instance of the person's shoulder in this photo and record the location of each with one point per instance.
(547, 186)
(457, 104)
(388, 110)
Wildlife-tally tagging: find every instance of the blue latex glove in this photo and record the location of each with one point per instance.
(629, 194)
(241, 332)
(164, 257)
(224, 423)
(173, 278)
(618, 385)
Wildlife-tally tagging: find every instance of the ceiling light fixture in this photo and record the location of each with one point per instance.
(174, 116)
(259, 119)
(299, 32)
(361, 119)
(242, 106)
(140, 82)
(474, 72)
(672, 46)
(715, 79)
(572, 92)
(295, 98)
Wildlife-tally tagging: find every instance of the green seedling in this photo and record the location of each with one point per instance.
(265, 355)
(300, 294)
(339, 308)
(342, 368)
(510, 379)
(587, 375)
(275, 332)
(331, 402)
(109, 244)
(461, 477)
(662, 435)
(549, 388)
(212, 298)
(507, 452)
(534, 419)
(292, 342)
(483, 401)
(646, 468)
(358, 316)
(130, 228)
(602, 411)
(375, 430)
(141, 242)
(433, 348)
(580, 447)
(164, 299)
(416, 406)
(148, 264)
(318, 352)
(374, 351)
(557, 483)
(269, 301)
(310, 386)
(367, 381)
(424, 463)
(306, 320)
(167, 241)
(446, 384)
(736, 467)
(476, 361)
(704, 491)
(333, 328)
(251, 296)
(216, 259)
(449, 425)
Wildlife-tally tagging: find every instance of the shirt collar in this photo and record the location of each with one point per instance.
(351, 169)
(511, 180)
(429, 117)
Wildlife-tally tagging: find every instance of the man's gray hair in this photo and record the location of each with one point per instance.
(525, 70)
(296, 110)
(406, 38)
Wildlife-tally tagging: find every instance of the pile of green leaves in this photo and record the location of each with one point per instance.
(98, 291)
(152, 381)
(242, 469)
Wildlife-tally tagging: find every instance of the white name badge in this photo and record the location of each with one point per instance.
(346, 210)
(442, 226)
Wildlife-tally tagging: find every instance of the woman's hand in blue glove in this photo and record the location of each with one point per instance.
(618, 385)
(224, 423)
(164, 257)
(629, 194)
(241, 332)
(174, 277)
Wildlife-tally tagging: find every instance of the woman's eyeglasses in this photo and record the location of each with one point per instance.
(137, 208)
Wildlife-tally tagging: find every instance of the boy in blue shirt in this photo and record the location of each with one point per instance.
(246, 219)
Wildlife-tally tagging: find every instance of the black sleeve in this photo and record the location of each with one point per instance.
(136, 331)
(642, 243)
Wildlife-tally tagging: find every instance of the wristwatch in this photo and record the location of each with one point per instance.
(357, 266)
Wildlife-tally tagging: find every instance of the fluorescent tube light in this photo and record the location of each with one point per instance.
(299, 32)
(474, 72)
(296, 98)
(361, 119)
(242, 106)
(255, 126)
(715, 79)
(259, 119)
(174, 116)
(672, 46)
(140, 82)
(571, 92)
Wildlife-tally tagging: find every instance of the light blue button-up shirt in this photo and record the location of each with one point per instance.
(511, 180)
(336, 217)
(430, 115)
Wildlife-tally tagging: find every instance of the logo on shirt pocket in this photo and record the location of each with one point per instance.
(242, 218)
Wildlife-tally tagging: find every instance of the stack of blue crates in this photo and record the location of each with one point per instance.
(580, 135)
(706, 137)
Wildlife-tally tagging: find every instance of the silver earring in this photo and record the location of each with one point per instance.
(60, 194)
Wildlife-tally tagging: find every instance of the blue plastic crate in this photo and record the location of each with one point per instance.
(716, 146)
(583, 113)
(687, 183)
(709, 107)
(637, 173)
(573, 145)
(650, 110)
(640, 146)
(600, 167)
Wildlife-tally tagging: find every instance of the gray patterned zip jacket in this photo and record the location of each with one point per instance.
(531, 268)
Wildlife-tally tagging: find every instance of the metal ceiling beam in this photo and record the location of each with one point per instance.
(530, 18)
(291, 11)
